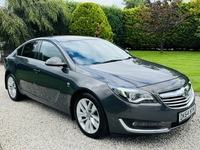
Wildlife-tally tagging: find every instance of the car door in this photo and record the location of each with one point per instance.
(51, 81)
(24, 66)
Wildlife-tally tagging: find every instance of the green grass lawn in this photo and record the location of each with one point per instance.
(185, 62)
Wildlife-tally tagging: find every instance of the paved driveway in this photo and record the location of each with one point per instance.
(31, 125)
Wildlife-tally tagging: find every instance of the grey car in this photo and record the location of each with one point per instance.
(101, 86)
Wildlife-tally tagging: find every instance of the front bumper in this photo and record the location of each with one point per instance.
(127, 118)
(154, 129)
(142, 131)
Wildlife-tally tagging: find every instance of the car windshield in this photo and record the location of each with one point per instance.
(93, 51)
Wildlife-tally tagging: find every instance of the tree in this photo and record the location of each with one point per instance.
(134, 37)
(196, 11)
(23, 20)
(197, 4)
(72, 5)
(183, 35)
(115, 19)
(133, 3)
(160, 17)
(88, 19)
(13, 29)
(43, 17)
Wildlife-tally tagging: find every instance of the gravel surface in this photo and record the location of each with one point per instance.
(28, 125)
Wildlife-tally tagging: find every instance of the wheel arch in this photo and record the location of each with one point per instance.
(6, 75)
(103, 128)
(75, 96)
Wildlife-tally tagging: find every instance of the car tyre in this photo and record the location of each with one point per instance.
(12, 88)
(90, 116)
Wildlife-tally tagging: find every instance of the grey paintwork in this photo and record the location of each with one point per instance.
(62, 83)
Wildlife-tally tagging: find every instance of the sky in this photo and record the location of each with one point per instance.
(117, 3)
(2, 2)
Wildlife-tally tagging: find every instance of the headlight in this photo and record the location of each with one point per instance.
(135, 96)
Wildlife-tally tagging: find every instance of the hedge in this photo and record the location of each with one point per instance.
(181, 37)
(126, 35)
(115, 19)
(136, 38)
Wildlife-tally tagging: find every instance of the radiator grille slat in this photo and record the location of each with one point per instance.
(178, 98)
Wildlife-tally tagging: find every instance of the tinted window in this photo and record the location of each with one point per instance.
(19, 51)
(49, 50)
(29, 49)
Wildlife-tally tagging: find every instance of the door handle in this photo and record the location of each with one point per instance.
(16, 63)
(36, 70)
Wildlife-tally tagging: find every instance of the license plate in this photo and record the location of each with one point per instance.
(187, 113)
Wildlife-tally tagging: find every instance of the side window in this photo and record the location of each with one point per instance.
(49, 50)
(29, 49)
(19, 51)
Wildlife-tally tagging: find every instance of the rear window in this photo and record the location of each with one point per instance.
(30, 49)
(19, 51)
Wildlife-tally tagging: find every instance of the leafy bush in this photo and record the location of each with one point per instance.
(134, 37)
(183, 36)
(88, 19)
(180, 36)
(115, 18)
(71, 5)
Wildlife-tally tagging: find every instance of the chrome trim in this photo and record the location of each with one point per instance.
(178, 99)
(163, 130)
(177, 93)
(143, 131)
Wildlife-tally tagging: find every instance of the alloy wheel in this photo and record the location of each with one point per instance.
(12, 89)
(88, 116)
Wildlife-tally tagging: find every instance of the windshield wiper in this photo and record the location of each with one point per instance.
(128, 58)
(112, 60)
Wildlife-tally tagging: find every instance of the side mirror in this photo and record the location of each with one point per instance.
(55, 61)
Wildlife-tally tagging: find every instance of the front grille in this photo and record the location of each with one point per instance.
(178, 98)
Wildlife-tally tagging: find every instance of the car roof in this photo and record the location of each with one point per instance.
(67, 38)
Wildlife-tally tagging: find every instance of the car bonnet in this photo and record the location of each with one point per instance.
(131, 73)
